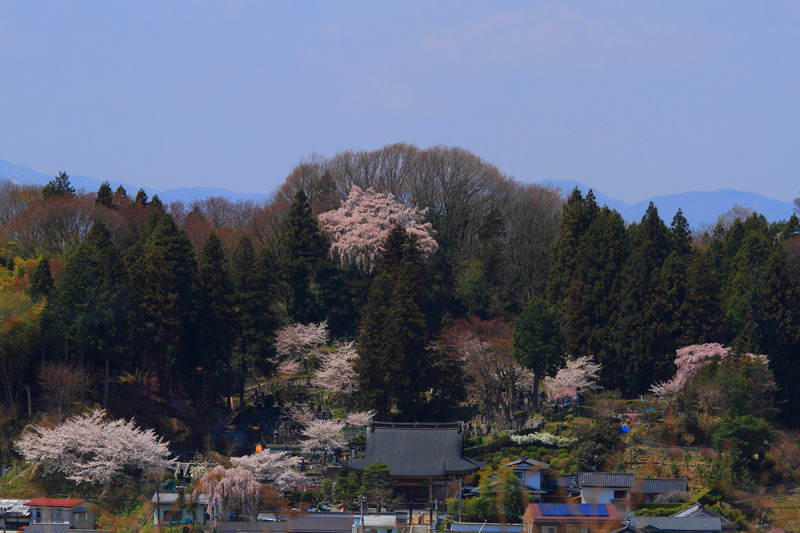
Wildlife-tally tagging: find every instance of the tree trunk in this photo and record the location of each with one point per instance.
(105, 391)
(536, 392)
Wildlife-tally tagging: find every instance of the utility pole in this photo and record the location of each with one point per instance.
(362, 500)
(460, 490)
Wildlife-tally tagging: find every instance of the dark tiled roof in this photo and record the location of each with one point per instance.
(48, 528)
(605, 479)
(416, 450)
(698, 510)
(655, 485)
(669, 523)
(527, 463)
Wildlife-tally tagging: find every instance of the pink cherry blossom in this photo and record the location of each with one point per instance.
(89, 449)
(577, 377)
(280, 468)
(361, 225)
(323, 435)
(336, 372)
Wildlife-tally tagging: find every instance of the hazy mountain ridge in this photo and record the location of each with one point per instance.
(700, 208)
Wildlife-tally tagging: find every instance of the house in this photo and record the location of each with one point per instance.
(606, 487)
(375, 523)
(425, 460)
(698, 510)
(670, 524)
(645, 489)
(76, 512)
(531, 474)
(169, 509)
(14, 514)
(570, 518)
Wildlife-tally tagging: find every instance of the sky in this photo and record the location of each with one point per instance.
(636, 99)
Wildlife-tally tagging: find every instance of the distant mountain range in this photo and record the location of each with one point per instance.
(699, 208)
(27, 176)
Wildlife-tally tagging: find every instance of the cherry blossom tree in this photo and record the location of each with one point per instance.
(690, 359)
(89, 449)
(577, 377)
(359, 419)
(336, 372)
(295, 342)
(231, 491)
(361, 225)
(323, 435)
(299, 414)
(279, 468)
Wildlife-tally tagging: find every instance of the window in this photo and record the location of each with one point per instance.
(549, 529)
(620, 494)
(577, 528)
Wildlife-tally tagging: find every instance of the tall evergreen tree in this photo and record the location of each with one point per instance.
(141, 198)
(781, 330)
(88, 310)
(393, 339)
(643, 334)
(302, 249)
(163, 273)
(214, 306)
(104, 197)
(538, 344)
(41, 280)
(58, 186)
(701, 312)
(254, 320)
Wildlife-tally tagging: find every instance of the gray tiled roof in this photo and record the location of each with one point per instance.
(655, 485)
(416, 450)
(698, 510)
(605, 479)
(527, 462)
(48, 528)
(672, 524)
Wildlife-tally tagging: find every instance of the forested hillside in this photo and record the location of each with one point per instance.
(453, 280)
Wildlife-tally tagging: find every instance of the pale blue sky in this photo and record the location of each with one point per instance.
(633, 98)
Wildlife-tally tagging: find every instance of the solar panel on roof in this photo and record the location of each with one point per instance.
(566, 509)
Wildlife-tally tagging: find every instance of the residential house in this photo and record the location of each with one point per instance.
(14, 514)
(375, 523)
(169, 509)
(606, 487)
(570, 518)
(698, 510)
(531, 474)
(646, 489)
(78, 513)
(483, 527)
(425, 460)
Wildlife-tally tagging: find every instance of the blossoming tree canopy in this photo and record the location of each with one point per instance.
(578, 376)
(336, 373)
(89, 449)
(690, 359)
(280, 468)
(231, 491)
(361, 225)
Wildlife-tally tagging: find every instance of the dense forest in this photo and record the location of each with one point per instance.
(453, 280)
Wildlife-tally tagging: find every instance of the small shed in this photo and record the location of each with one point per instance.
(168, 509)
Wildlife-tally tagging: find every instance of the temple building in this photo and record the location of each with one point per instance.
(426, 461)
